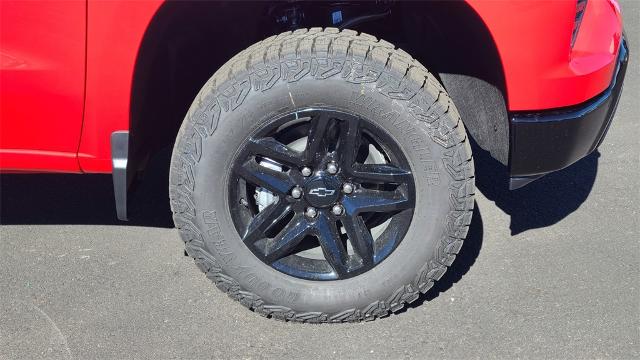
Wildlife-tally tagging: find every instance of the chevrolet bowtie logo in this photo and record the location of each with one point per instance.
(322, 192)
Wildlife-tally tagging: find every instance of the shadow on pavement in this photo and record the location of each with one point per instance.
(543, 202)
(85, 199)
(88, 199)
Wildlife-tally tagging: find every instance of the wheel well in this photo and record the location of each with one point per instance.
(187, 42)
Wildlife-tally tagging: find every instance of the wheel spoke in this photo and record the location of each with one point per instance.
(264, 220)
(316, 136)
(380, 174)
(275, 150)
(276, 181)
(360, 238)
(331, 244)
(287, 239)
(366, 200)
(349, 142)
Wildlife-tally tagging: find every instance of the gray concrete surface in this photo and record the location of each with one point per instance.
(549, 271)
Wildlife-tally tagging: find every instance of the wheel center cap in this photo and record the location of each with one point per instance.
(322, 191)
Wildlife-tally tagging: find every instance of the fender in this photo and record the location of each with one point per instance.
(542, 74)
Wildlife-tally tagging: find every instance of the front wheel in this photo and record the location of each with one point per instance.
(322, 176)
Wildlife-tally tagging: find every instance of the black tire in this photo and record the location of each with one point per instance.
(342, 70)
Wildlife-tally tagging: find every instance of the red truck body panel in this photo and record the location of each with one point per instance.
(57, 114)
(533, 39)
(42, 76)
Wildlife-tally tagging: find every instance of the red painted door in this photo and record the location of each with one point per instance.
(42, 75)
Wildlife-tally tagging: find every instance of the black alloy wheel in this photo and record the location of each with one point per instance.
(330, 194)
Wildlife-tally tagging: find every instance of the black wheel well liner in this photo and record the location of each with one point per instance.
(186, 42)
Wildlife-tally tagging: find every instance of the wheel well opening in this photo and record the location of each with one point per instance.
(187, 41)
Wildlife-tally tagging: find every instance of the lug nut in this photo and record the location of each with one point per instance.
(296, 192)
(332, 168)
(311, 212)
(347, 188)
(306, 171)
(337, 210)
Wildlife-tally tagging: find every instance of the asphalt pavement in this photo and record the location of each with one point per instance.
(548, 271)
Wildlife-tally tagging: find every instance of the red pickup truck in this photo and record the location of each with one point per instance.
(322, 168)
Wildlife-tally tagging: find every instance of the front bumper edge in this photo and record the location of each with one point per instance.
(548, 141)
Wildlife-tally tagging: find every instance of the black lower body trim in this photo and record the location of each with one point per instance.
(552, 140)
